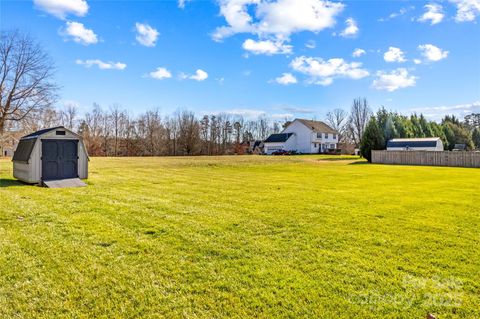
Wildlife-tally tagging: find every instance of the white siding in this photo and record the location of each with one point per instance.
(303, 140)
(306, 138)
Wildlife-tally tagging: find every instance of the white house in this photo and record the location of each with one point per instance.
(415, 144)
(303, 136)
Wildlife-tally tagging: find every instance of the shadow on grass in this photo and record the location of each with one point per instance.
(359, 162)
(7, 182)
(334, 159)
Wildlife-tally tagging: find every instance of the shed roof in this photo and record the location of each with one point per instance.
(40, 132)
(416, 139)
(413, 142)
(278, 138)
(23, 151)
(317, 126)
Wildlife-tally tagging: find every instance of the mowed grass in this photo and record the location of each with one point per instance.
(246, 236)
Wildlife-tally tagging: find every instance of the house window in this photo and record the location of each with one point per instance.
(326, 135)
(315, 145)
(332, 146)
(334, 136)
(60, 132)
(319, 135)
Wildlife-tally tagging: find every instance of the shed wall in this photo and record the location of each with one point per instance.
(23, 172)
(32, 172)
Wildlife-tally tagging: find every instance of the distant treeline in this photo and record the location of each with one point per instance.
(114, 132)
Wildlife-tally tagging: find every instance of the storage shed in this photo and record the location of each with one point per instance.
(415, 144)
(50, 154)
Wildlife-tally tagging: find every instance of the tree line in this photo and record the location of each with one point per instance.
(385, 125)
(113, 132)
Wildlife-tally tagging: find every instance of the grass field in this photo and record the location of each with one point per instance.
(237, 237)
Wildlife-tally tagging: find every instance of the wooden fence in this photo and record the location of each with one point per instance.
(427, 158)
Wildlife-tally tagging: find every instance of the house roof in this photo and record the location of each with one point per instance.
(257, 143)
(40, 132)
(317, 126)
(278, 138)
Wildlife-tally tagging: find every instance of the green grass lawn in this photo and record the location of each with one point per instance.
(246, 236)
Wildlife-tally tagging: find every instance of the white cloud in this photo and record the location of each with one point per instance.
(394, 55)
(432, 53)
(247, 113)
(79, 33)
(358, 53)
(160, 74)
(433, 13)
(102, 65)
(417, 61)
(393, 15)
(467, 10)
(311, 44)
(62, 8)
(286, 79)
(393, 80)
(438, 112)
(323, 72)
(294, 109)
(281, 116)
(146, 35)
(279, 18)
(199, 75)
(266, 47)
(351, 30)
(181, 3)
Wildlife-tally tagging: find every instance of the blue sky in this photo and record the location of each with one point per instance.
(280, 58)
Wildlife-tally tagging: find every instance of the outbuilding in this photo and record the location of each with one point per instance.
(415, 144)
(50, 155)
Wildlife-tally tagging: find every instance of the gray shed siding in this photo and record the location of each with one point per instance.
(32, 172)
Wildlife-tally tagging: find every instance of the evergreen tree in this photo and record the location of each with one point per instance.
(372, 139)
(417, 128)
(389, 131)
(425, 126)
(476, 138)
(449, 136)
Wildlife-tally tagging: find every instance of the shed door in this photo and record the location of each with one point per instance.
(59, 159)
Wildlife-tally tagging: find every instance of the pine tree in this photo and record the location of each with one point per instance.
(476, 138)
(372, 139)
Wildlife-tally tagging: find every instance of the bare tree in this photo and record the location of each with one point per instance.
(237, 126)
(189, 132)
(69, 116)
(338, 120)
(26, 74)
(116, 117)
(359, 116)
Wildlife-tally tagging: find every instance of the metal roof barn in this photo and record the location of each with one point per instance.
(50, 154)
(415, 144)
